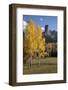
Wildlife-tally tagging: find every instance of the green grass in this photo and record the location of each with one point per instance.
(47, 65)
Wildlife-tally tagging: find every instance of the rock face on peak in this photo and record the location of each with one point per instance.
(50, 35)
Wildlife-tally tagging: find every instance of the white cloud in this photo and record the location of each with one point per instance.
(42, 28)
(24, 24)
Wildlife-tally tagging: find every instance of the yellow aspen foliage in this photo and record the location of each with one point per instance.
(40, 42)
(30, 38)
(34, 42)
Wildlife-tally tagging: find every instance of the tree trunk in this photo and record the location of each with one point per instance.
(30, 62)
(39, 60)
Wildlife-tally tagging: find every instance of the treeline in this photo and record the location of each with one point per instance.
(51, 49)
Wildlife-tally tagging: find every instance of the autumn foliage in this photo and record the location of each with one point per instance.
(33, 41)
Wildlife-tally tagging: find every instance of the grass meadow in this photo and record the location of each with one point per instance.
(47, 65)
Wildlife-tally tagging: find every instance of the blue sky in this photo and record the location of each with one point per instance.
(43, 20)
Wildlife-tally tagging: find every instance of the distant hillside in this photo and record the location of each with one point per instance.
(51, 36)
